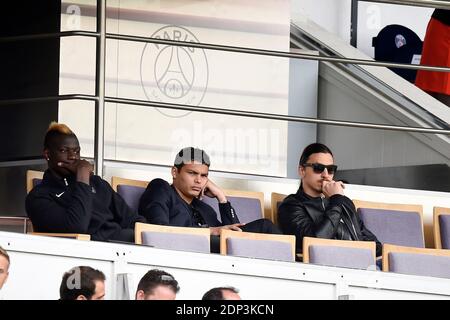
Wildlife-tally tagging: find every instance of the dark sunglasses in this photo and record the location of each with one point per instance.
(319, 168)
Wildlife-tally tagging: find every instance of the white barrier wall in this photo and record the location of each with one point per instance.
(38, 263)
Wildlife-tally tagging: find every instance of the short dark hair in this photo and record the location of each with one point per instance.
(85, 286)
(3, 253)
(56, 130)
(154, 278)
(311, 149)
(217, 293)
(191, 154)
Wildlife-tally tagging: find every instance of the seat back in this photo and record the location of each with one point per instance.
(441, 227)
(76, 236)
(33, 178)
(398, 224)
(416, 261)
(249, 205)
(339, 253)
(130, 190)
(275, 200)
(173, 238)
(15, 224)
(257, 245)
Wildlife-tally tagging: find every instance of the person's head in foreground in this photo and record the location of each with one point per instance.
(157, 285)
(4, 266)
(82, 283)
(222, 293)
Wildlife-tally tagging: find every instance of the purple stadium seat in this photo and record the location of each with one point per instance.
(419, 264)
(403, 228)
(131, 195)
(176, 241)
(247, 209)
(345, 257)
(36, 181)
(261, 249)
(444, 226)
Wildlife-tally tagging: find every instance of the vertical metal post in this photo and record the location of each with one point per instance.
(100, 87)
(354, 24)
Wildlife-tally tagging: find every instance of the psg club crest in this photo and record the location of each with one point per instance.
(174, 74)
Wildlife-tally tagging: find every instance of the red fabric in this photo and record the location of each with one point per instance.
(436, 52)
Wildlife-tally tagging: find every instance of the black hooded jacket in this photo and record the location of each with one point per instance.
(333, 218)
(68, 206)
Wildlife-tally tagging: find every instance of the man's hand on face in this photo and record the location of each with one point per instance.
(330, 188)
(213, 191)
(81, 168)
(215, 231)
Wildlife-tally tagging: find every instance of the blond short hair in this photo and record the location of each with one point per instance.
(54, 130)
(60, 128)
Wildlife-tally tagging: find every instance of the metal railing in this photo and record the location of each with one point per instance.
(99, 98)
(440, 4)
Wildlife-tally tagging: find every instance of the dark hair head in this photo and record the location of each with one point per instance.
(191, 154)
(155, 278)
(311, 149)
(217, 293)
(3, 253)
(54, 131)
(79, 281)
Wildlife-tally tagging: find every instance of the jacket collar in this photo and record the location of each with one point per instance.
(301, 195)
(52, 180)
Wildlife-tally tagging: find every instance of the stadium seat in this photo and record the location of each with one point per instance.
(130, 190)
(441, 227)
(249, 205)
(172, 238)
(275, 200)
(416, 261)
(33, 179)
(398, 224)
(339, 253)
(257, 245)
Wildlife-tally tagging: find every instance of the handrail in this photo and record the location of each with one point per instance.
(264, 52)
(231, 112)
(271, 116)
(49, 99)
(100, 66)
(440, 4)
(100, 98)
(52, 35)
(209, 46)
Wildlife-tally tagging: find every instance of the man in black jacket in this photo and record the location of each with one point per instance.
(320, 208)
(179, 204)
(71, 199)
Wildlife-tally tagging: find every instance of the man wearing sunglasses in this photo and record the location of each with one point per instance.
(319, 208)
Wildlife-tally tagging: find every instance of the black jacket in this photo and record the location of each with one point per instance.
(333, 218)
(442, 16)
(161, 204)
(68, 206)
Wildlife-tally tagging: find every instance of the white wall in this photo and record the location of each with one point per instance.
(214, 79)
(38, 263)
